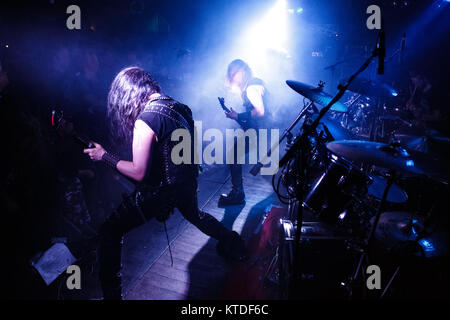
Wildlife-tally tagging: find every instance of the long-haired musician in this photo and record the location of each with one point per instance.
(141, 115)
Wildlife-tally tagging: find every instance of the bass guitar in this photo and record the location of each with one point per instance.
(243, 123)
(159, 200)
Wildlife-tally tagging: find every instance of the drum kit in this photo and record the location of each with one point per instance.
(363, 185)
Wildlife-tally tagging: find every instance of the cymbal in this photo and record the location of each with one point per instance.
(370, 88)
(392, 157)
(431, 142)
(398, 228)
(315, 94)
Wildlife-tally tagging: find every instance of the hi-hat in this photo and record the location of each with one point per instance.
(397, 229)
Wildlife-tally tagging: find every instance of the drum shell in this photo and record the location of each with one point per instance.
(332, 192)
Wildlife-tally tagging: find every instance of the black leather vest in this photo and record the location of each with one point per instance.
(163, 171)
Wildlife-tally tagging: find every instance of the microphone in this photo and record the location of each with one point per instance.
(381, 46)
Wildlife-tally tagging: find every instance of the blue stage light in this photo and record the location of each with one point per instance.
(270, 33)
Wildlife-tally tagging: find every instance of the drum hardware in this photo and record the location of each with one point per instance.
(379, 112)
(368, 242)
(335, 189)
(286, 134)
(398, 161)
(344, 156)
(343, 183)
(298, 153)
(348, 116)
(411, 236)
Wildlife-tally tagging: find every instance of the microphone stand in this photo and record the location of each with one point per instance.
(302, 144)
(287, 132)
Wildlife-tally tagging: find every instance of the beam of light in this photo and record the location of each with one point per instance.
(269, 34)
(426, 18)
(265, 43)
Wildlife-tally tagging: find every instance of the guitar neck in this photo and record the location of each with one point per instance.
(85, 142)
(244, 125)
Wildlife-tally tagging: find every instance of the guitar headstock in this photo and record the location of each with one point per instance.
(222, 104)
(65, 127)
(62, 125)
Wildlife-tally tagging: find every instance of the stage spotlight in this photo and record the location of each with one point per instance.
(265, 42)
(269, 33)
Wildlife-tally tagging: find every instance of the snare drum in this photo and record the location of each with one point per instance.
(334, 190)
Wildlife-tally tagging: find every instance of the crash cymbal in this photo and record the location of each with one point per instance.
(396, 229)
(391, 156)
(315, 94)
(370, 88)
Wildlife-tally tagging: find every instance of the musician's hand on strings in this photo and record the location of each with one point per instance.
(232, 114)
(96, 153)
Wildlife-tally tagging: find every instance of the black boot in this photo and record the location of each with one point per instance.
(232, 247)
(235, 197)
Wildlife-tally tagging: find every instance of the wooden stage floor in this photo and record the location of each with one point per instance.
(198, 272)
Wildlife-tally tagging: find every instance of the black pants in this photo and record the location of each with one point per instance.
(127, 217)
(236, 176)
(236, 169)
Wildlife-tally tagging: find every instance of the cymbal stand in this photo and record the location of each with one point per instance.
(368, 243)
(422, 234)
(299, 152)
(287, 133)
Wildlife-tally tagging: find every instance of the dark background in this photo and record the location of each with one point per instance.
(186, 45)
